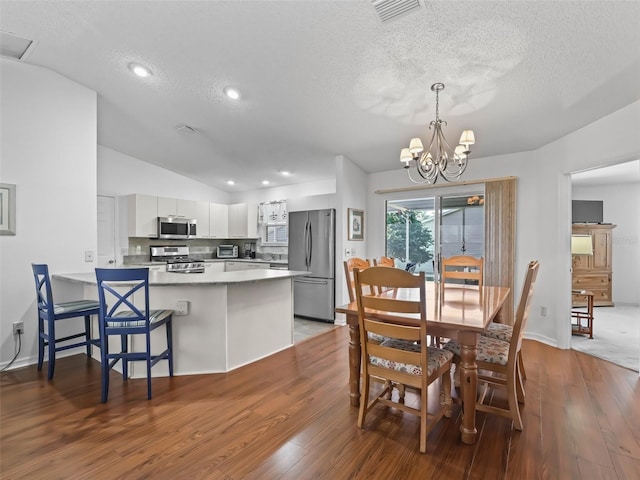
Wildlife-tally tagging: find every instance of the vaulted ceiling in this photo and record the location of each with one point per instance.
(323, 78)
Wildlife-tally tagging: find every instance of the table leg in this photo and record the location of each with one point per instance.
(355, 359)
(468, 385)
(590, 313)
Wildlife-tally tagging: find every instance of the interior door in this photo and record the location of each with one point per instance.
(106, 231)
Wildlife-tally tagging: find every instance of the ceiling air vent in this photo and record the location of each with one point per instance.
(391, 9)
(13, 46)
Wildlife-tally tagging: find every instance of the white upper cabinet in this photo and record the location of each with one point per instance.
(218, 220)
(174, 207)
(202, 219)
(142, 215)
(167, 207)
(139, 217)
(243, 220)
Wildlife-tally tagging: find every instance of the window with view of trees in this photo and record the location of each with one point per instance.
(417, 230)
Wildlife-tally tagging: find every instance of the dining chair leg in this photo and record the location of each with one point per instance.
(40, 343)
(523, 373)
(170, 347)
(519, 386)
(446, 394)
(105, 371)
(125, 362)
(513, 398)
(51, 349)
(148, 339)
(364, 401)
(87, 333)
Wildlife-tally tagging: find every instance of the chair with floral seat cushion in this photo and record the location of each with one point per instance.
(497, 360)
(124, 311)
(403, 357)
(51, 313)
(502, 331)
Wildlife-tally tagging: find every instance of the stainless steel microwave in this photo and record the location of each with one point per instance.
(227, 251)
(176, 227)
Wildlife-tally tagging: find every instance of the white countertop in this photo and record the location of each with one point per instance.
(215, 260)
(206, 278)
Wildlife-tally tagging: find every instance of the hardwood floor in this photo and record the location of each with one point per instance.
(288, 417)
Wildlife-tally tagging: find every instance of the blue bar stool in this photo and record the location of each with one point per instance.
(51, 312)
(122, 314)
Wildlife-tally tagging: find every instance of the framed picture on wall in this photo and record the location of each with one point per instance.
(355, 224)
(7, 209)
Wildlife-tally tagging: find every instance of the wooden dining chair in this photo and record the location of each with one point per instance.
(403, 358)
(122, 315)
(384, 262)
(52, 313)
(461, 268)
(349, 265)
(497, 360)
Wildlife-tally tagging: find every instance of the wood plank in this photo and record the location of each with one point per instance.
(288, 416)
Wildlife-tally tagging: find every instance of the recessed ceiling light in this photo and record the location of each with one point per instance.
(265, 182)
(286, 173)
(140, 70)
(230, 182)
(232, 93)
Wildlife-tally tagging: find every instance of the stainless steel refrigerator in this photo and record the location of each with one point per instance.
(312, 248)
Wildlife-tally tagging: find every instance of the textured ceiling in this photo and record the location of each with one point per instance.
(322, 78)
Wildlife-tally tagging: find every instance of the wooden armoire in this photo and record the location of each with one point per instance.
(593, 272)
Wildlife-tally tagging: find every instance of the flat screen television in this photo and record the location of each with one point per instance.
(586, 211)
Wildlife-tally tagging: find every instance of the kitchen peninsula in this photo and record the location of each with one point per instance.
(233, 318)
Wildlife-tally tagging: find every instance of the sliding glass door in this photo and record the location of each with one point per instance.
(420, 231)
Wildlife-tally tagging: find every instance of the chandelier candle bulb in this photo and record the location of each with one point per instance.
(439, 159)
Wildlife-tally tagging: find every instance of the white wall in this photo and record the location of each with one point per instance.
(48, 150)
(121, 174)
(351, 186)
(543, 208)
(621, 206)
(296, 195)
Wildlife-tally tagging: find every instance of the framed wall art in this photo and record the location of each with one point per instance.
(7, 209)
(355, 224)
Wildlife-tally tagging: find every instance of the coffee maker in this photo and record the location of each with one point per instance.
(250, 250)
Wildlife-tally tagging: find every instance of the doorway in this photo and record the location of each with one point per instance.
(421, 231)
(616, 331)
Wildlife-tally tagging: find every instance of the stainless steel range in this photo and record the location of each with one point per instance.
(177, 259)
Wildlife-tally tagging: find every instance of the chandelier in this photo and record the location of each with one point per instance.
(439, 159)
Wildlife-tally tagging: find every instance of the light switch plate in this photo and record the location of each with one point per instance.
(182, 307)
(88, 256)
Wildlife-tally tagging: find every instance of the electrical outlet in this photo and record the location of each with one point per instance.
(543, 311)
(182, 307)
(18, 327)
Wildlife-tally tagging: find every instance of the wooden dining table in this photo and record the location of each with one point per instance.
(460, 312)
